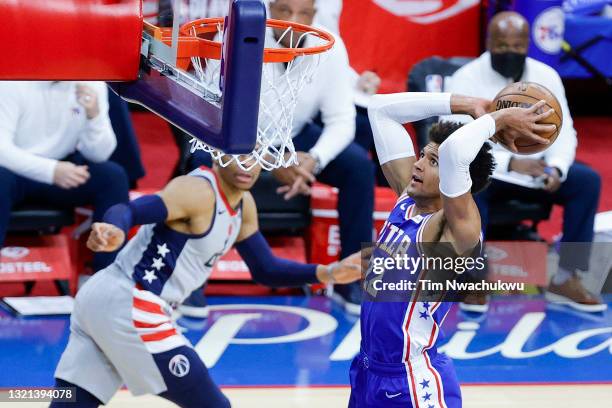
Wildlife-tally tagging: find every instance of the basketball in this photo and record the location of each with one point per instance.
(524, 95)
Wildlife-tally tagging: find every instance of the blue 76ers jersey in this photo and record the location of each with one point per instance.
(401, 331)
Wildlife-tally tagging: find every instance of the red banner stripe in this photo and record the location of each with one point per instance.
(143, 325)
(147, 306)
(159, 335)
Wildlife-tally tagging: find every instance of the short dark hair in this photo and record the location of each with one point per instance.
(483, 165)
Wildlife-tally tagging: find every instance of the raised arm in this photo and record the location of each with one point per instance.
(388, 114)
(459, 216)
(186, 204)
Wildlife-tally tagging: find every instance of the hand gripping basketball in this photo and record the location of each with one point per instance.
(522, 123)
(105, 237)
(525, 95)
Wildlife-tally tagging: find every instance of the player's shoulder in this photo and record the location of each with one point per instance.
(200, 188)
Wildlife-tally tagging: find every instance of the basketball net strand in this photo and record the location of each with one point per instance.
(280, 88)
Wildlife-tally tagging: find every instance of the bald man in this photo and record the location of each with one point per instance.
(551, 176)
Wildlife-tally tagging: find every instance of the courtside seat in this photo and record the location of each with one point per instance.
(40, 219)
(35, 219)
(276, 214)
(505, 218)
(505, 212)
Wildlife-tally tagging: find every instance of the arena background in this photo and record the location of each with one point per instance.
(526, 352)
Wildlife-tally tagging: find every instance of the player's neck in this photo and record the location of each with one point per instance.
(233, 194)
(426, 205)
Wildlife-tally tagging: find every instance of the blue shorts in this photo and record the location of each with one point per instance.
(428, 383)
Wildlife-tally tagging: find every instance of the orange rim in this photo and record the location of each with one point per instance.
(190, 44)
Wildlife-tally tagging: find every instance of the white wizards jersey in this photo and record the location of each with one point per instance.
(172, 264)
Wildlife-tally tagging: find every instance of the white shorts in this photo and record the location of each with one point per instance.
(116, 331)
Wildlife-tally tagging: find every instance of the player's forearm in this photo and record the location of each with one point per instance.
(149, 209)
(462, 105)
(388, 113)
(457, 153)
(270, 270)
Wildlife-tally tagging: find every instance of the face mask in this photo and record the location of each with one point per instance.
(509, 64)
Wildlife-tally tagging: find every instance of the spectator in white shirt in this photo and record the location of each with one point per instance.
(365, 84)
(550, 176)
(326, 150)
(55, 140)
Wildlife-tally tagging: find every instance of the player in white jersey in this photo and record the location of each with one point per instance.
(121, 327)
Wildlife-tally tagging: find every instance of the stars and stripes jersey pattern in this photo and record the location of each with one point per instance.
(402, 333)
(171, 264)
(122, 326)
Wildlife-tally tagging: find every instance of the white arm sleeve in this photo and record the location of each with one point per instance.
(388, 113)
(458, 151)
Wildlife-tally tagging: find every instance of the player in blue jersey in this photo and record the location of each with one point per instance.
(398, 364)
(121, 327)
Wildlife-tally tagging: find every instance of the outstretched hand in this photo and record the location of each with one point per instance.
(522, 122)
(346, 271)
(105, 237)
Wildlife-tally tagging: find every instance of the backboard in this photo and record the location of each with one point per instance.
(231, 82)
(234, 76)
(225, 120)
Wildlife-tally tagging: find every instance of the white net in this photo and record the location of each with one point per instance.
(281, 85)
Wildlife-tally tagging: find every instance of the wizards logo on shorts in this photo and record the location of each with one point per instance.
(179, 365)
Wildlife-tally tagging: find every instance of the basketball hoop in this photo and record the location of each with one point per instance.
(285, 72)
